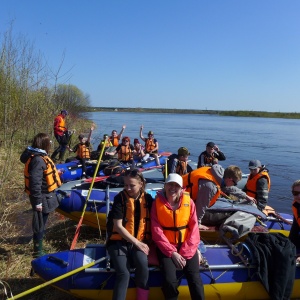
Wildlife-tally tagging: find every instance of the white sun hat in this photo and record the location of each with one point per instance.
(174, 177)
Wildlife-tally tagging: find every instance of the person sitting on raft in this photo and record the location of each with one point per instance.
(104, 142)
(206, 158)
(124, 151)
(127, 241)
(258, 183)
(295, 230)
(177, 163)
(151, 144)
(174, 228)
(83, 151)
(115, 137)
(139, 151)
(205, 184)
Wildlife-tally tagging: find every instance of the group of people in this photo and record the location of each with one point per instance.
(136, 220)
(127, 152)
(171, 221)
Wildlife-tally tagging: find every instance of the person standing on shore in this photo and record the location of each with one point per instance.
(62, 136)
(41, 180)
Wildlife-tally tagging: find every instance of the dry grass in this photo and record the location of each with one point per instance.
(16, 247)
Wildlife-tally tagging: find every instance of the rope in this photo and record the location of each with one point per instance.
(86, 202)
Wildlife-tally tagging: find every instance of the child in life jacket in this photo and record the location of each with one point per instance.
(139, 151)
(83, 151)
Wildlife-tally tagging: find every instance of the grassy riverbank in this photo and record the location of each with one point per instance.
(233, 113)
(16, 247)
(15, 226)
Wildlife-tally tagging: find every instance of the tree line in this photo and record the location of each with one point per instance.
(31, 95)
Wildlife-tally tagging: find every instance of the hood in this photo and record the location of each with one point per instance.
(218, 172)
(31, 151)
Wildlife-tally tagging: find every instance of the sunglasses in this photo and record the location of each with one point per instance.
(295, 193)
(234, 182)
(134, 173)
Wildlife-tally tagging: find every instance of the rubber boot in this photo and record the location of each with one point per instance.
(38, 248)
(142, 294)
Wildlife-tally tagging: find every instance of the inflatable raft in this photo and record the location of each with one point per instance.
(87, 274)
(73, 170)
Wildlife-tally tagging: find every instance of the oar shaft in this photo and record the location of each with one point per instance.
(57, 279)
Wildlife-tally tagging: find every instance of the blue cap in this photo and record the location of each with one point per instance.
(64, 112)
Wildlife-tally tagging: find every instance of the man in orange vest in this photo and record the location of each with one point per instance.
(205, 185)
(258, 183)
(61, 135)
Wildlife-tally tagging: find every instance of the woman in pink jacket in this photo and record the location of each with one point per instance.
(175, 231)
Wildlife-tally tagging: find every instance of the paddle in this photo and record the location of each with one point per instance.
(86, 202)
(107, 212)
(270, 210)
(57, 279)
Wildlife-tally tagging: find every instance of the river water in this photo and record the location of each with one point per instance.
(275, 142)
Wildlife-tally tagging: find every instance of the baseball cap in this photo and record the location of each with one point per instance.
(210, 144)
(183, 151)
(64, 112)
(253, 164)
(150, 132)
(81, 136)
(174, 177)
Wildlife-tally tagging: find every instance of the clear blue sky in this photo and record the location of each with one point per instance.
(194, 54)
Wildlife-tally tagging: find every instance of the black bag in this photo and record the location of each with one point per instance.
(115, 181)
(113, 170)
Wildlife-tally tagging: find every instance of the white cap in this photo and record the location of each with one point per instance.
(174, 177)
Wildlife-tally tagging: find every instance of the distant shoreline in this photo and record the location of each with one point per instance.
(233, 113)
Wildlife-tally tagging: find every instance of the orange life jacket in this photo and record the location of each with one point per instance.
(50, 174)
(125, 153)
(143, 233)
(174, 223)
(150, 145)
(181, 168)
(190, 182)
(295, 213)
(114, 141)
(251, 183)
(59, 125)
(83, 151)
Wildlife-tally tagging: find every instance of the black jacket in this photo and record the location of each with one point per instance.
(275, 256)
(37, 183)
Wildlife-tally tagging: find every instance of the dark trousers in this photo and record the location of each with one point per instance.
(123, 256)
(170, 282)
(39, 221)
(62, 146)
(83, 163)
